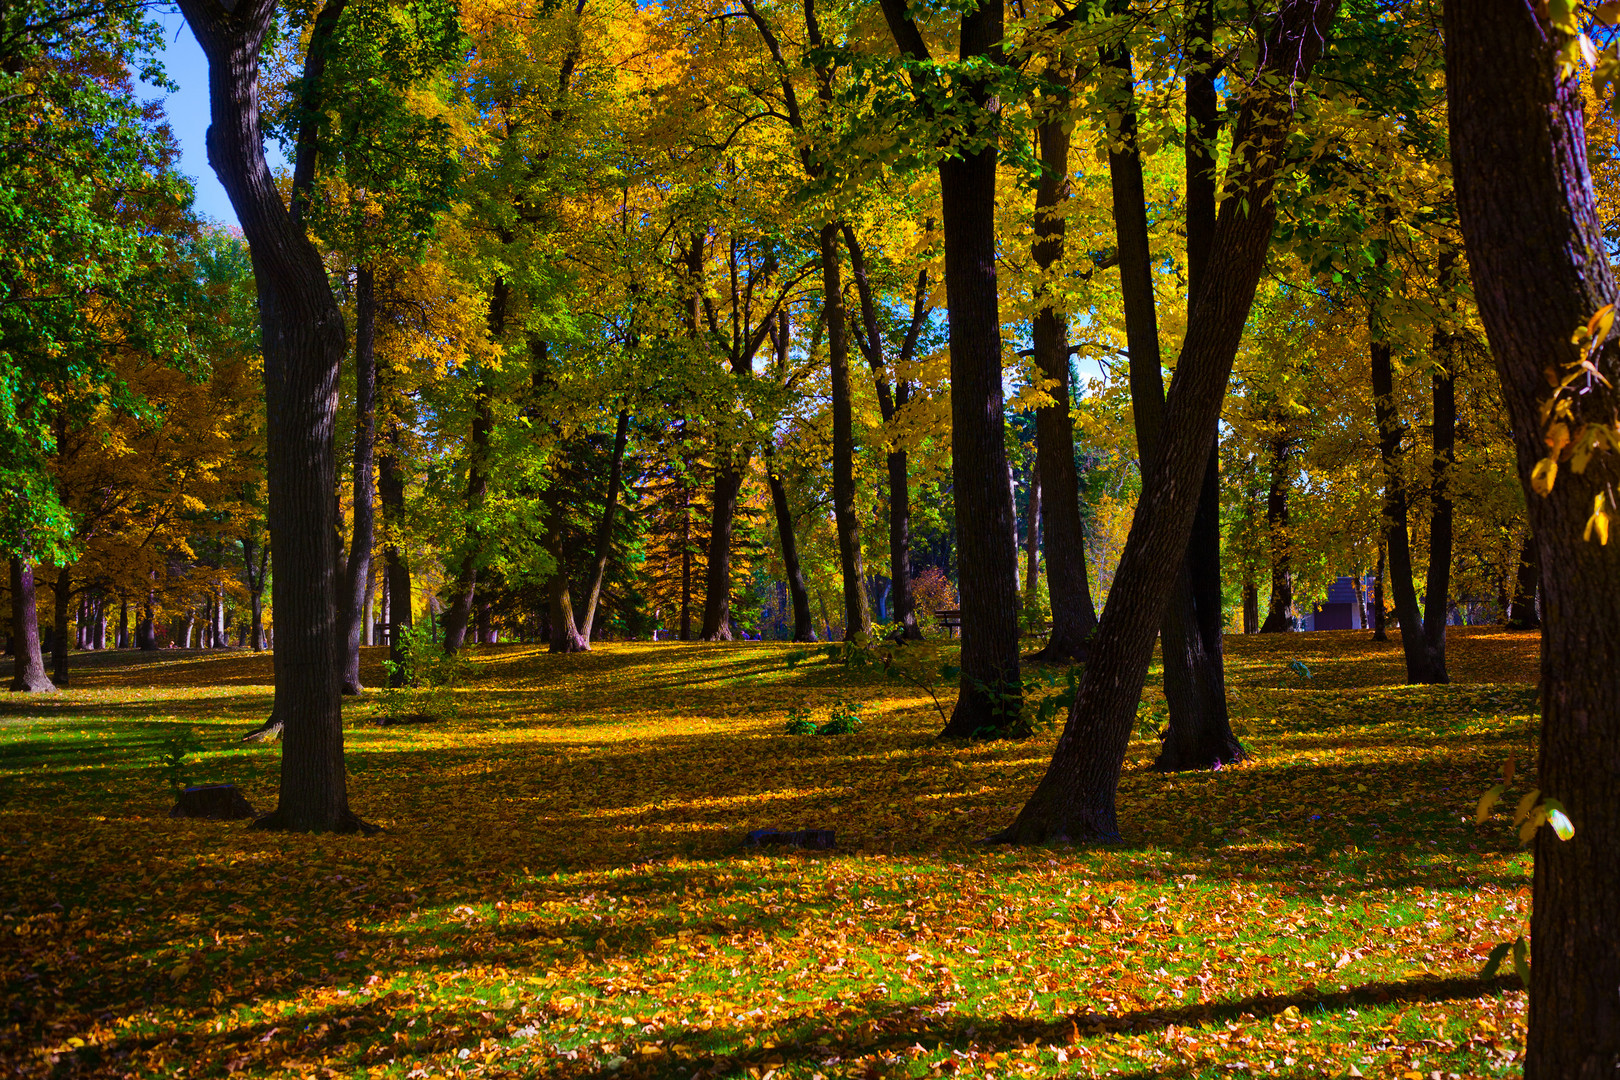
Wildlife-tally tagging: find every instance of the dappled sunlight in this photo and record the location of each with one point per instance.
(562, 889)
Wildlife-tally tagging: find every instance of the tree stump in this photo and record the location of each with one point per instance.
(214, 802)
(819, 839)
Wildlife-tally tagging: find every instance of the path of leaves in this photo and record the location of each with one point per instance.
(561, 891)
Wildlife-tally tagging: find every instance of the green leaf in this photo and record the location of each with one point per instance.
(1559, 820)
(1521, 960)
(1494, 960)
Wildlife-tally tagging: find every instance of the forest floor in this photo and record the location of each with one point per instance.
(561, 890)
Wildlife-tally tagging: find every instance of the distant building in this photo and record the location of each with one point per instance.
(1342, 610)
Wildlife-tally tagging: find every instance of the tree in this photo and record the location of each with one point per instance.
(1541, 273)
(1075, 799)
(987, 553)
(304, 342)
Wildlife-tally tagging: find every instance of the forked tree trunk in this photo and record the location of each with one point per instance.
(1076, 798)
(1199, 733)
(604, 531)
(28, 665)
(358, 570)
(990, 699)
(1540, 267)
(1068, 585)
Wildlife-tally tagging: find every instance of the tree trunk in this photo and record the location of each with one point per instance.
(846, 515)
(1280, 609)
(303, 344)
(1032, 542)
(146, 632)
(1068, 585)
(803, 630)
(28, 665)
(61, 591)
(990, 700)
(1199, 734)
(717, 570)
(1075, 799)
(1539, 261)
(1422, 665)
(368, 625)
(391, 488)
(604, 532)
(358, 570)
(1380, 618)
(686, 561)
(1522, 613)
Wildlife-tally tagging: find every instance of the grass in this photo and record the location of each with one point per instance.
(561, 889)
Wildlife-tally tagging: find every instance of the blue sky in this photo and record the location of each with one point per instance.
(188, 114)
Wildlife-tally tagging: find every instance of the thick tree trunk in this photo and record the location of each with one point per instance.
(303, 345)
(391, 488)
(1280, 608)
(1422, 664)
(717, 571)
(604, 531)
(1199, 734)
(565, 635)
(846, 515)
(28, 665)
(990, 699)
(1251, 608)
(1076, 798)
(358, 570)
(1540, 269)
(1380, 618)
(1522, 613)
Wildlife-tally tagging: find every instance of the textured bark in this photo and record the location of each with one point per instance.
(1522, 613)
(717, 567)
(846, 515)
(28, 665)
(1540, 269)
(1199, 734)
(990, 697)
(303, 345)
(1423, 665)
(604, 531)
(565, 635)
(1280, 608)
(1075, 799)
(358, 570)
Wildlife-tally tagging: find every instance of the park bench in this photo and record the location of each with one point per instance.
(950, 619)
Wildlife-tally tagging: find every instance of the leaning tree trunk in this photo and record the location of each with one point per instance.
(1199, 734)
(846, 515)
(1522, 613)
(1068, 585)
(604, 531)
(803, 628)
(1540, 268)
(358, 570)
(28, 670)
(1076, 798)
(60, 592)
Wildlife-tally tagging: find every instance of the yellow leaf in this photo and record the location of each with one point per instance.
(1525, 804)
(1486, 801)
(1543, 475)
(1599, 521)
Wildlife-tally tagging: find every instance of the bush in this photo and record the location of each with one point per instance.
(430, 676)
